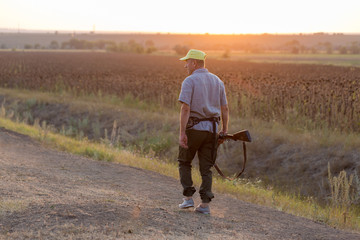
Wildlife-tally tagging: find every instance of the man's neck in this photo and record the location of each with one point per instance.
(197, 69)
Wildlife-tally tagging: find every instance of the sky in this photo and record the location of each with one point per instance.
(186, 16)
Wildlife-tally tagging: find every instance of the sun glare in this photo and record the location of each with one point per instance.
(186, 16)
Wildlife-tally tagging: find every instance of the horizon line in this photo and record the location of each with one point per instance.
(53, 31)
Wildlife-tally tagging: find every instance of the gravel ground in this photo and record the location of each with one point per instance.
(47, 194)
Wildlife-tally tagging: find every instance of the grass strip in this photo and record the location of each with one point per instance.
(242, 190)
(284, 132)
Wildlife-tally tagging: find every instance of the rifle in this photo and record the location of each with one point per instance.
(243, 136)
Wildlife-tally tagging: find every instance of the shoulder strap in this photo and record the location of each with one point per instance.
(237, 175)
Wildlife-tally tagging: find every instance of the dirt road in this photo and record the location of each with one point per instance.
(46, 194)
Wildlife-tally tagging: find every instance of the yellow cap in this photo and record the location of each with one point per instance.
(194, 54)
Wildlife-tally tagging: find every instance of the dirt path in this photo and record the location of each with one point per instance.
(46, 194)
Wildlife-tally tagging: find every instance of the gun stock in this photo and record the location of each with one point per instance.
(243, 135)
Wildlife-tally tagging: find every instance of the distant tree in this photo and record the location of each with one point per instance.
(181, 50)
(88, 45)
(150, 46)
(123, 47)
(293, 46)
(303, 49)
(324, 47)
(28, 46)
(313, 50)
(149, 43)
(101, 44)
(318, 47)
(342, 50)
(130, 46)
(111, 47)
(226, 54)
(328, 47)
(135, 47)
(75, 43)
(37, 46)
(54, 44)
(65, 45)
(354, 48)
(319, 33)
(3, 46)
(151, 49)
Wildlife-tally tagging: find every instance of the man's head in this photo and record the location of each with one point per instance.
(195, 59)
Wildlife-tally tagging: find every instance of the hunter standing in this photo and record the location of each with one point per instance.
(203, 104)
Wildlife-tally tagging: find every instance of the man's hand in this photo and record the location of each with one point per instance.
(183, 140)
(220, 141)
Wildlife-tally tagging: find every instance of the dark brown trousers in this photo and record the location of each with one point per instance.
(202, 143)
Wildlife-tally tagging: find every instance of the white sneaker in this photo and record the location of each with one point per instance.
(205, 210)
(187, 203)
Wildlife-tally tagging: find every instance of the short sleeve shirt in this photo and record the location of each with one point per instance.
(205, 93)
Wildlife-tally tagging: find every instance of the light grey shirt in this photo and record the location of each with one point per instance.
(205, 93)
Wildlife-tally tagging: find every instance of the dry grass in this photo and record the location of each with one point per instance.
(10, 206)
(275, 130)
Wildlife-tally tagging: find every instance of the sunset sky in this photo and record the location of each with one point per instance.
(186, 16)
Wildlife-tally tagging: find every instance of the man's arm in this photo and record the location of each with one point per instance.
(225, 122)
(225, 118)
(184, 117)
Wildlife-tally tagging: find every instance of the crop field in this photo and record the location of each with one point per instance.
(305, 96)
(349, 60)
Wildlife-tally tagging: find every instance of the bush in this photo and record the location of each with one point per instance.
(345, 191)
(354, 48)
(226, 54)
(343, 50)
(181, 50)
(112, 47)
(28, 46)
(54, 45)
(135, 47)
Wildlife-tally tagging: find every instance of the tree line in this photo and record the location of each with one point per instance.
(293, 47)
(74, 43)
(296, 47)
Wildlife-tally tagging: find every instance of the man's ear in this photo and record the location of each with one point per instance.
(193, 62)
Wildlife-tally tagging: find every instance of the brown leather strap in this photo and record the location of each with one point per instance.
(237, 175)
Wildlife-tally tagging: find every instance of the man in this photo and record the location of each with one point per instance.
(203, 102)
